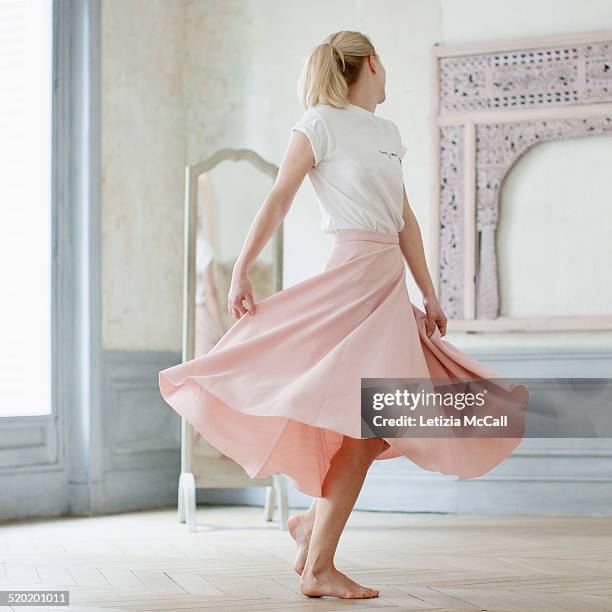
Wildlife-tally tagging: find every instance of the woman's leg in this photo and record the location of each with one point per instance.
(340, 490)
(300, 528)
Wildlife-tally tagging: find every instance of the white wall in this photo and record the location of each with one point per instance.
(479, 20)
(181, 79)
(555, 222)
(143, 160)
(184, 78)
(264, 46)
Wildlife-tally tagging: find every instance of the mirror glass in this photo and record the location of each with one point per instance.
(228, 198)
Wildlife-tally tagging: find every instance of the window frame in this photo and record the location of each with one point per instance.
(32, 446)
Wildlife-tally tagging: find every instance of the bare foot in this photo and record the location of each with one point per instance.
(300, 529)
(334, 583)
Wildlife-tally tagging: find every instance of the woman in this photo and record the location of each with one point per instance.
(280, 391)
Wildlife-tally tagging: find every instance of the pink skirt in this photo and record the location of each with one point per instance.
(281, 388)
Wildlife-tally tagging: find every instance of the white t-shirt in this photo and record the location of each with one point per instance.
(357, 174)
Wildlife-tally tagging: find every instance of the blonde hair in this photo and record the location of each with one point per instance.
(332, 67)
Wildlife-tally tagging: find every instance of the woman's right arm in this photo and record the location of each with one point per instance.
(297, 161)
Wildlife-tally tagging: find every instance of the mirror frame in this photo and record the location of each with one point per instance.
(190, 226)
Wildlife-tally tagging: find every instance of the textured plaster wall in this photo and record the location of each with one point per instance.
(183, 78)
(143, 159)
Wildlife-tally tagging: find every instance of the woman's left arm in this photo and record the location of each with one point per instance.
(411, 244)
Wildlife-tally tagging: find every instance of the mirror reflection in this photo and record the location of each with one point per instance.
(228, 197)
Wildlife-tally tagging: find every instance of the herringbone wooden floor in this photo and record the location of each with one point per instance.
(238, 562)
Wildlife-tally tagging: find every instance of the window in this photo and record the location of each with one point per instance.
(25, 207)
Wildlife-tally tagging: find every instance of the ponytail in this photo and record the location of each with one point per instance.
(332, 67)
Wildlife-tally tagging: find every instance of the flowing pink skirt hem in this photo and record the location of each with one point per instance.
(281, 388)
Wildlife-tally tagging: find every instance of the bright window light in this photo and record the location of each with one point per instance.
(25, 207)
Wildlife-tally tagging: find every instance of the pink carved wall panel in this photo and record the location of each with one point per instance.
(548, 77)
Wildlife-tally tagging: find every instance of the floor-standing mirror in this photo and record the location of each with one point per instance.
(222, 196)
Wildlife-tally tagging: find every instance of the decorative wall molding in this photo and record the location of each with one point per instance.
(452, 148)
(493, 105)
(140, 466)
(140, 431)
(551, 75)
(498, 147)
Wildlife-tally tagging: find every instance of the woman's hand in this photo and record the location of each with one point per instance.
(240, 290)
(435, 315)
